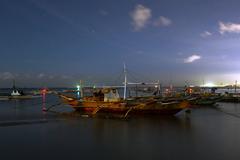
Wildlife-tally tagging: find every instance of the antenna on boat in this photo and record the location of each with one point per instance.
(125, 81)
(14, 85)
(159, 87)
(235, 87)
(81, 88)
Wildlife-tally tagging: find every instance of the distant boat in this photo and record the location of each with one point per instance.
(16, 94)
(231, 97)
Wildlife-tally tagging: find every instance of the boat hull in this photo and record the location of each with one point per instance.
(151, 107)
(164, 111)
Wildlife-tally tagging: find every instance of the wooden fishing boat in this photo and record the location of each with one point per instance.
(107, 100)
(92, 105)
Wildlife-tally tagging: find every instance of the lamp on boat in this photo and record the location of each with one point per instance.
(78, 87)
(78, 91)
(44, 91)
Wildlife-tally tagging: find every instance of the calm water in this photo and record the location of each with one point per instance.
(28, 133)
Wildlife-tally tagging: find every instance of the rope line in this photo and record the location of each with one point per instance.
(231, 114)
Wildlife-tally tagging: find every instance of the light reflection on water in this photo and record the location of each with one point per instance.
(206, 133)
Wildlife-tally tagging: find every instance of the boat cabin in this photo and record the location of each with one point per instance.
(15, 93)
(105, 95)
(111, 95)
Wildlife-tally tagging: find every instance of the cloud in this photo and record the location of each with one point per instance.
(103, 12)
(192, 58)
(51, 77)
(205, 34)
(41, 75)
(162, 21)
(229, 27)
(6, 76)
(140, 17)
(66, 77)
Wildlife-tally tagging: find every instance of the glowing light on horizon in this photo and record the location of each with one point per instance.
(209, 84)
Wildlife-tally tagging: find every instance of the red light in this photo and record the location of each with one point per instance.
(43, 91)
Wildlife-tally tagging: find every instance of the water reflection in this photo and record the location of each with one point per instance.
(78, 95)
(206, 133)
(44, 109)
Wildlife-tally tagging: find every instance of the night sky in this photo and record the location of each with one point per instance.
(59, 42)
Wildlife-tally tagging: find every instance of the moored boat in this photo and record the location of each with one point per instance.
(231, 97)
(17, 94)
(107, 100)
(204, 100)
(94, 104)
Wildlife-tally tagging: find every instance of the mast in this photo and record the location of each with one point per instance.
(81, 88)
(125, 81)
(159, 87)
(14, 85)
(235, 88)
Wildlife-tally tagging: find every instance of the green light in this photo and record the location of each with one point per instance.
(94, 86)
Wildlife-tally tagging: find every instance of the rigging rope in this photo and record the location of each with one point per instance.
(231, 114)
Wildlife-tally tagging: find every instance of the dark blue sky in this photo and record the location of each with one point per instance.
(58, 42)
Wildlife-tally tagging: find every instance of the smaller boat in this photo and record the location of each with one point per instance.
(17, 94)
(39, 92)
(231, 97)
(204, 101)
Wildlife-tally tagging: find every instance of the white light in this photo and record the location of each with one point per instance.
(210, 84)
(78, 87)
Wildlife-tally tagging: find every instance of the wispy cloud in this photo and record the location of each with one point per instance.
(140, 17)
(103, 12)
(205, 34)
(66, 77)
(7, 76)
(192, 58)
(41, 75)
(162, 21)
(229, 27)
